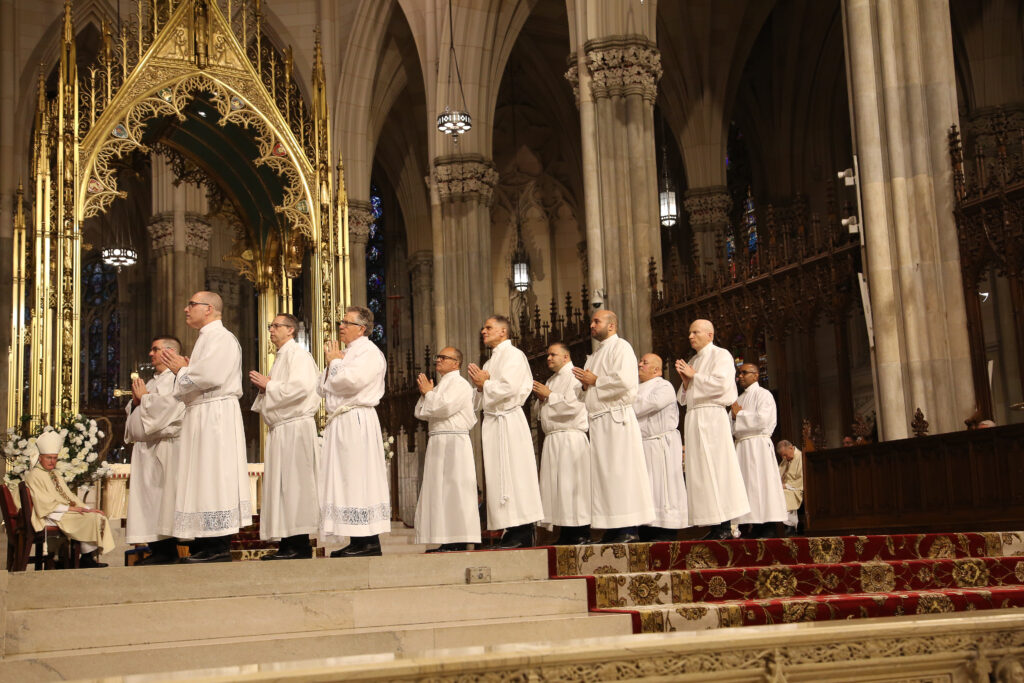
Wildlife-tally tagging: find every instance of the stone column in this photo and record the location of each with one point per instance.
(617, 84)
(227, 283)
(462, 250)
(708, 208)
(180, 238)
(903, 101)
(360, 218)
(421, 271)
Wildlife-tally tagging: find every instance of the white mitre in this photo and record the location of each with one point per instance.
(49, 443)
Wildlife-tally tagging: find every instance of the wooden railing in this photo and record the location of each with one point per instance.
(803, 273)
(960, 481)
(988, 184)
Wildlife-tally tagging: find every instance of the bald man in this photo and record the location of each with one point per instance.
(753, 421)
(716, 491)
(658, 415)
(212, 479)
(620, 489)
(565, 460)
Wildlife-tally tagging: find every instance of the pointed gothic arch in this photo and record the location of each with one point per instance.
(159, 72)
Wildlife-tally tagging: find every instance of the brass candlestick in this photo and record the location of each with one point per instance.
(119, 393)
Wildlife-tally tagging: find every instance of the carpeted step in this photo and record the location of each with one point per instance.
(585, 560)
(706, 615)
(786, 581)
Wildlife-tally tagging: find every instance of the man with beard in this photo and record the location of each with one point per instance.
(620, 486)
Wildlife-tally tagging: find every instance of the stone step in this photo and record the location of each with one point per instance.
(292, 647)
(585, 560)
(746, 583)
(127, 585)
(146, 623)
(697, 616)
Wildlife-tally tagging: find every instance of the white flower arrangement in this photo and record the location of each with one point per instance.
(389, 446)
(78, 462)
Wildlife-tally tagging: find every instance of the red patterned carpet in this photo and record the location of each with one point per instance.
(693, 585)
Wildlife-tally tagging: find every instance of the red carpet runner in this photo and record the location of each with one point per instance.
(693, 585)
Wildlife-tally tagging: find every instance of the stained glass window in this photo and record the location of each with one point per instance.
(375, 269)
(101, 362)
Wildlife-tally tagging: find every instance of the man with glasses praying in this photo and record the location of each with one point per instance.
(353, 482)
(754, 417)
(212, 479)
(287, 401)
(446, 511)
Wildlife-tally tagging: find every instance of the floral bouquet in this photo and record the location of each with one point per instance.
(78, 461)
(389, 446)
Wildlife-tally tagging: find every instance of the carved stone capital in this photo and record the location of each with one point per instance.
(572, 75)
(161, 234)
(624, 65)
(707, 207)
(225, 282)
(421, 268)
(360, 218)
(197, 234)
(466, 177)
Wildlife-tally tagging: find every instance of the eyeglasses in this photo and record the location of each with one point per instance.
(349, 322)
(747, 372)
(443, 357)
(193, 304)
(271, 326)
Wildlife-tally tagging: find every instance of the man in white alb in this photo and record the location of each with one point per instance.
(754, 417)
(354, 496)
(212, 479)
(565, 459)
(658, 415)
(620, 489)
(446, 511)
(287, 401)
(510, 466)
(154, 423)
(715, 485)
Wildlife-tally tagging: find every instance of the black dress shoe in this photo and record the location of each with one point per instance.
(156, 559)
(358, 550)
(517, 537)
(288, 554)
(205, 557)
(89, 562)
(620, 538)
(449, 548)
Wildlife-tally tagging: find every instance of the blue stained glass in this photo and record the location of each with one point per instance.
(376, 282)
(374, 305)
(375, 207)
(373, 253)
(374, 232)
(378, 333)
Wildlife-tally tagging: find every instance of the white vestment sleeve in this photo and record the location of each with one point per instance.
(212, 366)
(621, 380)
(348, 375)
(443, 401)
(288, 391)
(757, 417)
(651, 402)
(716, 381)
(509, 385)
